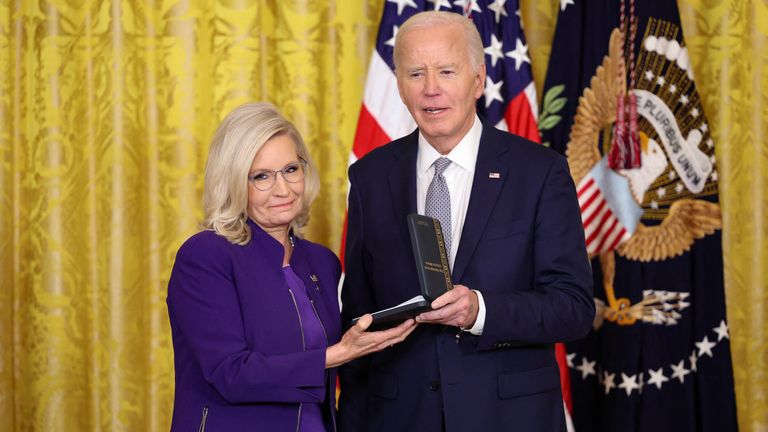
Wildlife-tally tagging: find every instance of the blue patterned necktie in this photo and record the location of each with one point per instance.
(438, 202)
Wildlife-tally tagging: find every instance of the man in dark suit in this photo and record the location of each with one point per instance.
(483, 359)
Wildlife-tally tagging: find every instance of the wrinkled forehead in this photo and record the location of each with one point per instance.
(433, 45)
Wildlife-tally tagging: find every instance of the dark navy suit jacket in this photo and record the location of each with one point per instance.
(237, 338)
(522, 247)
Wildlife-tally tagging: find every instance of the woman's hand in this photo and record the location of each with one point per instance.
(357, 342)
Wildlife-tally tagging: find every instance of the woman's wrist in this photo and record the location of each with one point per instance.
(334, 356)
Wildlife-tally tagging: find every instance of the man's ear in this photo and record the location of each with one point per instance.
(480, 81)
(399, 86)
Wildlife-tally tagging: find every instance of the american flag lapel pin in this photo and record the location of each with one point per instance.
(494, 175)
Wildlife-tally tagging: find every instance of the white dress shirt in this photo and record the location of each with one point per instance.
(458, 176)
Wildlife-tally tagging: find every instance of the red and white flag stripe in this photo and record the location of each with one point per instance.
(602, 230)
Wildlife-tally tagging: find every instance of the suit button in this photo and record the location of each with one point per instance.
(434, 385)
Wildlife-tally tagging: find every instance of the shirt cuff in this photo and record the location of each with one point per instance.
(477, 329)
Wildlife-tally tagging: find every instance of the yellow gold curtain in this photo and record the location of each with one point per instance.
(106, 110)
(728, 43)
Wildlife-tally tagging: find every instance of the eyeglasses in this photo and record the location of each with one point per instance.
(292, 173)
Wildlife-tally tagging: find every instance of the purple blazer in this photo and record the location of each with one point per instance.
(237, 337)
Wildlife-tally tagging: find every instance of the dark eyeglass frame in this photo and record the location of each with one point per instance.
(302, 165)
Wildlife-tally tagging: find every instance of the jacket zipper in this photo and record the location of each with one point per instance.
(303, 348)
(312, 302)
(301, 324)
(298, 419)
(202, 422)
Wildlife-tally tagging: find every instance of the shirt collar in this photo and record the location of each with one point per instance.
(463, 155)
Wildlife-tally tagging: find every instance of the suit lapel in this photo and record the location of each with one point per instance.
(485, 191)
(402, 181)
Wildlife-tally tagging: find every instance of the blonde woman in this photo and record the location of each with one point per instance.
(253, 306)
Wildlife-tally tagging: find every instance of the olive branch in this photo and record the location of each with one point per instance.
(549, 117)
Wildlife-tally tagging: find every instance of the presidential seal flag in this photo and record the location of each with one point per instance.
(620, 101)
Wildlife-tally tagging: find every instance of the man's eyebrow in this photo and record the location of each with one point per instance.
(438, 67)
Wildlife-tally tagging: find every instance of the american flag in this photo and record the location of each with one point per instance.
(509, 99)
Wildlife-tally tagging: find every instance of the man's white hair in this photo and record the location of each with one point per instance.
(436, 18)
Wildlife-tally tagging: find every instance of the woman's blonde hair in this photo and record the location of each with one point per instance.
(241, 135)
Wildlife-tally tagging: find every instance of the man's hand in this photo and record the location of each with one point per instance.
(457, 307)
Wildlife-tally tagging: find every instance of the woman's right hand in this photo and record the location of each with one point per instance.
(357, 342)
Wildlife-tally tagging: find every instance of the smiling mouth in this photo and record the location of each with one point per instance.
(434, 110)
(283, 205)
